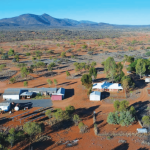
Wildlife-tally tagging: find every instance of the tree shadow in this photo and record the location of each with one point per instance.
(86, 113)
(144, 148)
(123, 146)
(48, 74)
(141, 108)
(99, 69)
(100, 80)
(41, 145)
(139, 83)
(4, 120)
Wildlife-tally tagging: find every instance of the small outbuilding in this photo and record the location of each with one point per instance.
(12, 94)
(5, 106)
(141, 130)
(60, 95)
(147, 80)
(95, 96)
(27, 95)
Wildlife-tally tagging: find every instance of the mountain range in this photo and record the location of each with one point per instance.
(28, 20)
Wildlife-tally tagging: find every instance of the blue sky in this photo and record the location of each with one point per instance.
(132, 12)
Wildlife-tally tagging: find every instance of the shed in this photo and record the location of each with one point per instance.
(61, 91)
(26, 94)
(5, 106)
(95, 96)
(141, 130)
(12, 94)
(147, 80)
(43, 91)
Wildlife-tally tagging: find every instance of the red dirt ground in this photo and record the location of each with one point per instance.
(80, 100)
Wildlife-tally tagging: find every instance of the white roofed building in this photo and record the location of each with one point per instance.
(107, 86)
(95, 96)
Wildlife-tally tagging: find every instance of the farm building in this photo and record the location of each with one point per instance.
(43, 91)
(25, 95)
(12, 94)
(95, 96)
(107, 86)
(147, 80)
(16, 93)
(141, 130)
(5, 106)
(59, 95)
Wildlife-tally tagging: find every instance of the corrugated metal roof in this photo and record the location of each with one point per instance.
(61, 91)
(4, 104)
(95, 93)
(42, 89)
(16, 91)
(107, 85)
(27, 94)
(12, 91)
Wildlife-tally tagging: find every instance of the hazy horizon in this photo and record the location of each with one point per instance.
(113, 12)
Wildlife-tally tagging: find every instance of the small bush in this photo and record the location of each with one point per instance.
(109, 137)
(28, 54)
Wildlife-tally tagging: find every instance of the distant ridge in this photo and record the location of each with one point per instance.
(45, 20)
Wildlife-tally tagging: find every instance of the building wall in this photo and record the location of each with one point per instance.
(56, 97)
(5, 108)
(11, 97)
(95, 98)
(106, 90)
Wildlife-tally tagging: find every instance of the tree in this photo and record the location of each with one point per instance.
(60, 115)
(11, 52)
(126, 118)
(124, 105)
(119, 72)
(21, 65)
(93, 72)
(2, 66)
(113, 118)
(116, 105)
(140, 67)
(50, 66)
(4, 56)
(78, 66)
(24, 72)
(86, 80)
(28, 54)
(125, 85)
(11, 136)
(49, 82)
(132, 110)
(82, 127)
(25, 83)
(55, 82)
(16, 57)
(93, 64)
(32, 128)
(40, 64)
(84, 46)
(110, 68)
(38, 54)
(48, 113)
(63, 54)
(70, 109)
(76, 119)
(67, 73)
(13, 80)
(146, 120)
